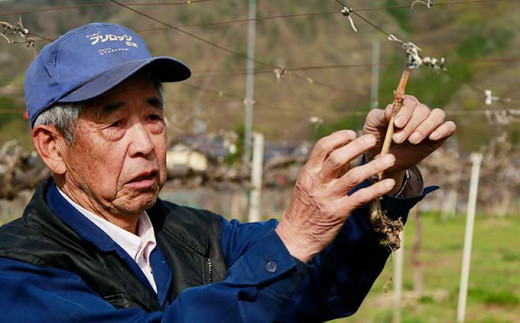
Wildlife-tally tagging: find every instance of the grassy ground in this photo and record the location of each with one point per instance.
(494, 286)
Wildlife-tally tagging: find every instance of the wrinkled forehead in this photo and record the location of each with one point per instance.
(141, 86)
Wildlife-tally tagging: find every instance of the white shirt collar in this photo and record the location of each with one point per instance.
(139, 246)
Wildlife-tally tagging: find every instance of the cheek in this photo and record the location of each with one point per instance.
(159, 143)
(160, 146)
(101, 165)
(160, 152)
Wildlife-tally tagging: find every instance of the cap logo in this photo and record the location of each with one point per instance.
(99, 38)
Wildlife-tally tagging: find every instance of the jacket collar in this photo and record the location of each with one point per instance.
(87, 230)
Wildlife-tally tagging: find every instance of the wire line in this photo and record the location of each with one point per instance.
(93, 5)
(190, 34)
(219, 46)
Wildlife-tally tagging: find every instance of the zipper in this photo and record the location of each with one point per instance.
(210, 271)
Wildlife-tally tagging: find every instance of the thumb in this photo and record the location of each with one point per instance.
(377, 119)
(388, 112)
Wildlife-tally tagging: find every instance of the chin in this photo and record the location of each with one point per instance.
(148, 199)
(141, 202)
(134, 208)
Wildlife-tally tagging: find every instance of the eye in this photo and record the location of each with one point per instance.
(155, 117)
(116, 124)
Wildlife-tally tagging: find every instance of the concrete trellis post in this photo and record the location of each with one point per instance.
(256, 177)
(374, 89)
(398, 279)
(476, 159)
(250, 82)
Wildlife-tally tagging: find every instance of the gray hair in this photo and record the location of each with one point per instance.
(64, 116)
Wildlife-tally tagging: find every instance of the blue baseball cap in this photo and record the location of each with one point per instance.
(87, 62)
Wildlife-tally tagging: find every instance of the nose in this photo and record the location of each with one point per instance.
(141, 143)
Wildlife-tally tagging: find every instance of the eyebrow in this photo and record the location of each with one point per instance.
(156, 102)
(113, 107)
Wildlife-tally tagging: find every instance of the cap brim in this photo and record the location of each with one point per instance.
(165, 69)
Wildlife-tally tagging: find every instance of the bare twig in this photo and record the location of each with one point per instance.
(397, 105)
(386, 228)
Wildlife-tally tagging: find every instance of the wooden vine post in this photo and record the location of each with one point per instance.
(387, 229)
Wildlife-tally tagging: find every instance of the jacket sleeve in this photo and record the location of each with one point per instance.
(341, 276)
(338, 278)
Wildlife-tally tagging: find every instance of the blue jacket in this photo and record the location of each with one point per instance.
(264, 283)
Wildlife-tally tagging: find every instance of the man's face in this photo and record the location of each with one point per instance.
(117, 164)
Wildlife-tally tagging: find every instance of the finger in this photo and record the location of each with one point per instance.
(367, 194)
(432, 122)
(445, 130)
(419, 114)
(343, 170)
(376, 119)
(327, 144)
(340, 157)
(379, 116)
(388, 112)
(404, 115)
(358, 174)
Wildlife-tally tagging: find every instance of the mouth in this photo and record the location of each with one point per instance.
(144, 180)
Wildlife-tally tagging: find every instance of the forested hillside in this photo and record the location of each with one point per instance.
(478, 40)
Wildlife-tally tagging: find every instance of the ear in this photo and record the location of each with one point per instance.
(50, 145)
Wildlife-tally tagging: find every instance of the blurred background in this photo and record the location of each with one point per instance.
(312, 70)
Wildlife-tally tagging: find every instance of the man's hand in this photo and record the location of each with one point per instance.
(418, 132)
(319, 204)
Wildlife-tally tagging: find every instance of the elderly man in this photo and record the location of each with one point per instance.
(96, 244)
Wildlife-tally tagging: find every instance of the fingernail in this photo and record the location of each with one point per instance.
(370, 139)
(415, 137)
(351, 134)
(389, 159)
(434, 135)
(390, 183)
(399, 121)
(398, 138)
